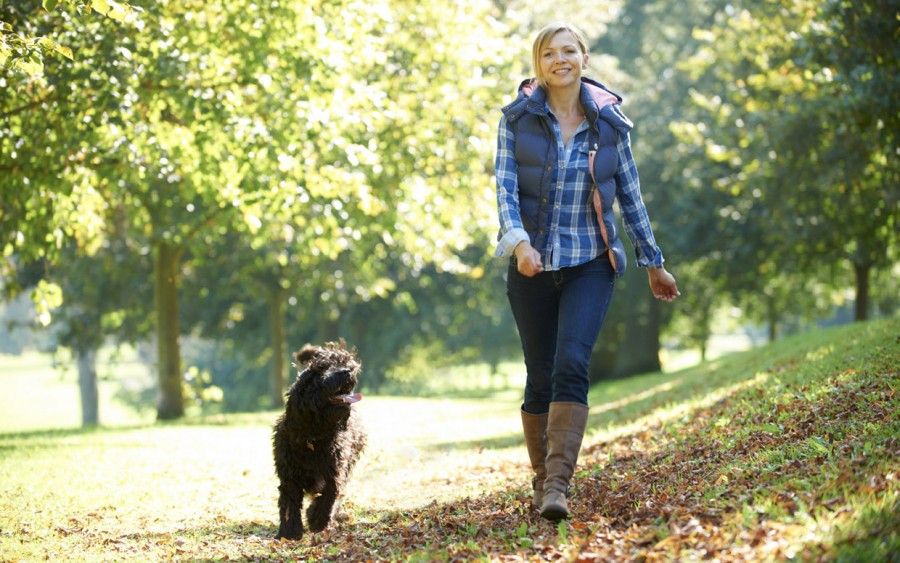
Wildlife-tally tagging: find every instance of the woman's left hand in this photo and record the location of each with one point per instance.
(662, 284)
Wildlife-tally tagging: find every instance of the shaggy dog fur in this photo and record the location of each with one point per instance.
(318, 438)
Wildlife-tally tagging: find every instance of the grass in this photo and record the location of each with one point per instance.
(787, 451)
(37, 395)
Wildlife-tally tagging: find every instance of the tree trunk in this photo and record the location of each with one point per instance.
(628, 343)
(640, 347)
(170, 402)
(862, 291)
(772, 315)
(276, 333)
(494, 371)
(87, 385)
(654, 328)
(704, 331)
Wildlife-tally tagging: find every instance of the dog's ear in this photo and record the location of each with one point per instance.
(305, 354)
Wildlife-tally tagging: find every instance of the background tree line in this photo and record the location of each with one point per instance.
(263, 174)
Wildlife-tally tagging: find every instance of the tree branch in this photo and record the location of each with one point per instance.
(31, 105)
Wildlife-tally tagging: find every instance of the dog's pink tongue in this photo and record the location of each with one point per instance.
(351, 398)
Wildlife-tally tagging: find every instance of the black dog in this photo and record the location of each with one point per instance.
(318, 438)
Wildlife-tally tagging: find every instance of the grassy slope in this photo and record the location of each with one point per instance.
(786, 451)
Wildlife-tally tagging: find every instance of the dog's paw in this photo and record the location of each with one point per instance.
(318, 526)
(320, 523)
(290, 529)
(288, 535)
(318, 518)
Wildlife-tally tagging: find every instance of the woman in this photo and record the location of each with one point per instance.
(563, 157)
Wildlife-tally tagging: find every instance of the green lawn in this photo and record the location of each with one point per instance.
(34, 394)
(785, 451)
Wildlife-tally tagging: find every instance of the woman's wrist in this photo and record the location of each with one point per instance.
(520, 247)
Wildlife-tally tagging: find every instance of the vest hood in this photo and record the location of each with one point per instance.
(597, 100)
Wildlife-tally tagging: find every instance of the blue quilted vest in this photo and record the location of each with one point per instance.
(536, 159)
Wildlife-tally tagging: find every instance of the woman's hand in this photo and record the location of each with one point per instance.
(662, 284)
(528, 259)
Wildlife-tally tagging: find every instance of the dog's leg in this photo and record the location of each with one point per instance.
(290, 507)
(319, 514)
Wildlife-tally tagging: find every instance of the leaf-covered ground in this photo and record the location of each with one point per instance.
(788, 451)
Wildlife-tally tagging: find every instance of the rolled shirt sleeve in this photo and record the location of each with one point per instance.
(634, 212)
(511, 230)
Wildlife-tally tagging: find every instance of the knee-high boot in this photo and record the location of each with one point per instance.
(535, 428)
(565, 430)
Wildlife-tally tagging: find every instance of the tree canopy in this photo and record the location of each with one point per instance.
(285, 171)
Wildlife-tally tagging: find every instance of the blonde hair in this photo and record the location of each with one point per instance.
(544, 37)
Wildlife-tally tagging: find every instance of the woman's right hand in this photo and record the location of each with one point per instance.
(528, 259)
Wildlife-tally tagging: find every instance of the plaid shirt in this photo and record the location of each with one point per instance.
(574, 236)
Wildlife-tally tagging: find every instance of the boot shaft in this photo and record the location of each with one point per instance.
(534, 427)
(565, 431)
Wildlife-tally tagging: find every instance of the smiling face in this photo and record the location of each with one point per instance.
(561, 60)
(559, 55)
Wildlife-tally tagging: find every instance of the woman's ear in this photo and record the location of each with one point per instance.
(584, 63)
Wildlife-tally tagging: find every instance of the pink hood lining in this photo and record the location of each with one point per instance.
(600, 96)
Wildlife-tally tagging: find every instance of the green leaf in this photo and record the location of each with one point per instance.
(522, 530)
(30, 66)
(111, 9)
(51, 45)
(50, 5)
(117, 12)
(100, 6)
(64, 51)
(46, 297)
(819, 445)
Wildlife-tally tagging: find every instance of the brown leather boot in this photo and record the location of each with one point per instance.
(535, 428)
(565, 429)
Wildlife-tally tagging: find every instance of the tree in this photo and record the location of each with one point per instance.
(796, 98)
(210, 142)
(647, 42)
(159, 130)
(104, 298)
(23, 52)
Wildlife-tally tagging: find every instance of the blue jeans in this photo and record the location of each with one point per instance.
(559, 315)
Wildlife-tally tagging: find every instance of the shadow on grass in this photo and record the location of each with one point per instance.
(625, 401)
(56, 433)
(872, 535)
(474, 393)
(34, 438)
